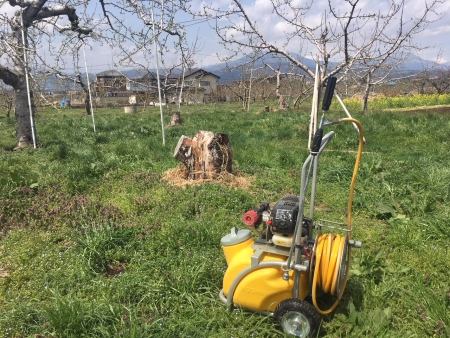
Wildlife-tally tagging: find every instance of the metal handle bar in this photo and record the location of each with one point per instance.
(298, 234)
(325, 140)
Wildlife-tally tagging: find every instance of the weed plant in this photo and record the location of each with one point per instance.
(95, 244)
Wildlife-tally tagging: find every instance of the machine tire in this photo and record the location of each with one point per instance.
(291, 313)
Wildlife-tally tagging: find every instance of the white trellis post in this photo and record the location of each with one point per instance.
(27, 80)
(155, 37)
(249, 89)
(89, 89)
(314, 107)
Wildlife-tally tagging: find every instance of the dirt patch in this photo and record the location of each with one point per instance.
(322, 207)
(3, 273)
(114, 270)
(178, 176)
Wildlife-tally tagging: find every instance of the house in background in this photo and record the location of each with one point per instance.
(111, 83)
(199, 85)
(199, 78)
(143, 84)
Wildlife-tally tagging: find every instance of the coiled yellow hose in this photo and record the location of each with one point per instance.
(331, 248)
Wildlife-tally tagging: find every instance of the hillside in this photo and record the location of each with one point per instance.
(232, 71)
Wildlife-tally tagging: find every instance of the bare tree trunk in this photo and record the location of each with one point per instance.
(8, 106)
(37, 15)
(22, 112)
(24, 132)
(277, 92)
(87, 105)
(422, 88)
(297, 100)
(282, 104)
(245, 101)
(205, 155)
(366, 94)
(176, 119)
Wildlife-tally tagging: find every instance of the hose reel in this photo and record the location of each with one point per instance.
(332, 259)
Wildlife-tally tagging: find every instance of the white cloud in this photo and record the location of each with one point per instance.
(274, 30)
(259, 9)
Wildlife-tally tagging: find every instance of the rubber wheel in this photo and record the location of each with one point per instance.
(298, 318)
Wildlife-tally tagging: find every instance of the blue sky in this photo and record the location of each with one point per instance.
(102, 57)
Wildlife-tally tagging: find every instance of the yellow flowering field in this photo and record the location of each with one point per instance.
(386, 102)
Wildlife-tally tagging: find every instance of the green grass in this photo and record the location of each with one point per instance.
(94, 244)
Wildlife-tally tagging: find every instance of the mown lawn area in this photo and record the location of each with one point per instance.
(95, 243)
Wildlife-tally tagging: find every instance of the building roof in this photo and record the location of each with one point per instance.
(198, 73)
(150, 75)
(110, 73)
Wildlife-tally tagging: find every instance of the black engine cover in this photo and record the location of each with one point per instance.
(284, 215)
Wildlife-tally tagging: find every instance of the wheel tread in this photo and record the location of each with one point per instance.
(303, 307)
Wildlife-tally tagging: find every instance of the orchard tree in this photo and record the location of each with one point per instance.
(33, 20)
(339, 36)
(6, 99)
(78, 79)
(135, 46)
(440, 80)
(264, 88)
(160, 42)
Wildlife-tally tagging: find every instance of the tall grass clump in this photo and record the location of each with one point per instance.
(103, 244)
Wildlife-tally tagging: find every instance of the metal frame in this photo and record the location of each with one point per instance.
(298, 264)
(312, 159)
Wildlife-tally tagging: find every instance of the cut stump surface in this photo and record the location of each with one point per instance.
(205, 155)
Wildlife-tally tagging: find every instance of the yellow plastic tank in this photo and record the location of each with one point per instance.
(261, 289)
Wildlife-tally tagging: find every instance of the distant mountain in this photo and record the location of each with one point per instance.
(237, 69)
(415, 63)
(240, 68)
(231, 71)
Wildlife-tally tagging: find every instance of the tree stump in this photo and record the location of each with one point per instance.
(282, 102)
(205, 155)
(130, 109)
(176, 119)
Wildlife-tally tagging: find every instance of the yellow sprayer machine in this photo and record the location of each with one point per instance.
(293, 257)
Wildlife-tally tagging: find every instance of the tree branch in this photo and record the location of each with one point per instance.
(9, 77)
